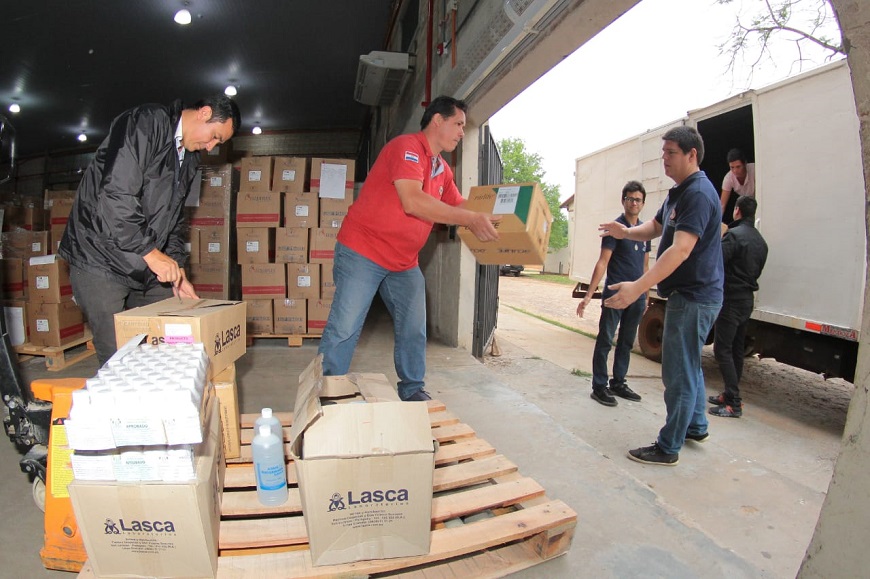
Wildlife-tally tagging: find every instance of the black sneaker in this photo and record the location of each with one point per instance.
(653, 455)
(727, 411)
(717, 400)
(603, 396)
(623, 391)
(418, 396)
(698, 437)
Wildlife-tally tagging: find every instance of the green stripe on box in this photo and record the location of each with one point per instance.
(524, 203)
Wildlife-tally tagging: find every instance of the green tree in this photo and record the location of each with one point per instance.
(522, 166)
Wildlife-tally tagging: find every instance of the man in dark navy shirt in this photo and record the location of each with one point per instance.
(689, 272)
(623, 260)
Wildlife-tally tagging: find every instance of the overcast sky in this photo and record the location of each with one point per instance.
(660, 60)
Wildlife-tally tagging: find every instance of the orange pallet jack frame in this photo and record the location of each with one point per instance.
(62, 548)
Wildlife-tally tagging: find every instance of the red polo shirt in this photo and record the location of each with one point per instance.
(376, 226)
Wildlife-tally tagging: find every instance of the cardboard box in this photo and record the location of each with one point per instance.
(321, 246)
(365, 471)
(15, 314)
(218, 325)
(258, 209)
(290, 174)
(24, 244)
(333, 178)
(219, 154)
(318, 313)
(524, 230)
(14, 278)
(258, 317)
(54, 324)
(301, 210)
(192, 245)
(256, 245)
(291, 316)
(264, 281)
(48, 280)
(327, 283)
(214, 245)
(155, 529)
(256, 174)
(53, 195)
(210, 280)
(303, 281)
(291, 245)
(58, 212)
(228, 396)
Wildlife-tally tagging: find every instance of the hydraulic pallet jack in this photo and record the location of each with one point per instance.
(34, 421)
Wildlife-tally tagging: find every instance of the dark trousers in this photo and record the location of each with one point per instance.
(627, 320)
(728, 346)
(100, 298)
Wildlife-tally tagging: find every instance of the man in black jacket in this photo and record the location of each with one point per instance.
(124, 238)
(744, 252)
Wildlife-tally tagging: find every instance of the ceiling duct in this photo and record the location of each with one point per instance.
(379, 77)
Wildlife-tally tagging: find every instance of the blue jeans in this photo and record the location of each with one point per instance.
(687, 324)
(627, 320)
(357, 278)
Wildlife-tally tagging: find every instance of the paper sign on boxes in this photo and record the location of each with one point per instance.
(524, 228)
(365, 470)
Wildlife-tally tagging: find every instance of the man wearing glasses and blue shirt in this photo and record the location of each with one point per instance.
(623, 260)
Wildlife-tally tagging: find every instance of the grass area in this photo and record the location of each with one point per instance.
(551, 277)
(580, 373)
(553, 322)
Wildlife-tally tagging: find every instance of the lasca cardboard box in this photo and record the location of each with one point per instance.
(218, 325)
(364, 470)
(228, 395)
(155, 529)
(524, 230)
(48, 280)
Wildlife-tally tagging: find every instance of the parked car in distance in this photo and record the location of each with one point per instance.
(516, 270)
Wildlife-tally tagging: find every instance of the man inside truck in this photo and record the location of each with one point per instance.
(124, 239)
(623, 260)
(688, 271)
(740, 179)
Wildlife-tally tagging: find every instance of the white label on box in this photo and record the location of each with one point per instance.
(303, 281)
(214, 247)
(36, 247)
(216, 181)
(302, 211)
(336, 223)
(42, 325)
(178, 333)
(506, 200)
(255, 175)
(187, 247)
(42, 282)
(252, 246)
(288, 175)
(215, 151)
(43, 260)
(332, 180)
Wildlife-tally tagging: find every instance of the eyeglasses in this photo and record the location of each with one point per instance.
(634, 200)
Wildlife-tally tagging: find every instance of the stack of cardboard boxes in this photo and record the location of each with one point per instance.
(286, 232)
(36, 291)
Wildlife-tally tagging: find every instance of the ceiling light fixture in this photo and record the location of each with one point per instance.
(257, 130)
(82, 137)
(231, 91)
(14, 108)
(182, 17)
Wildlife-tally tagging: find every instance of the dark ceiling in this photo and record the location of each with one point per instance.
(73, 65)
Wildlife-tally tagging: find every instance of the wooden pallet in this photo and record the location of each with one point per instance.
(59, 357)
(487, 519)
(293, 340)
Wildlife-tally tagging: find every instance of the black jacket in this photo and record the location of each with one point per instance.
(131, 197)
(744, 252)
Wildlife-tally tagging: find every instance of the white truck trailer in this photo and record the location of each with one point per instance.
(802, 135)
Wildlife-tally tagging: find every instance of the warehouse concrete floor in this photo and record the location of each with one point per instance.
(744, 504)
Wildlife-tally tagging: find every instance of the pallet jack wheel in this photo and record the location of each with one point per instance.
(649, 334)
(38, 490)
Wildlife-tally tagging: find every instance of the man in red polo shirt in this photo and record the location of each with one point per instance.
(408, 189)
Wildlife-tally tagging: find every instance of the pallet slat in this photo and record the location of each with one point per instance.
(59, 357)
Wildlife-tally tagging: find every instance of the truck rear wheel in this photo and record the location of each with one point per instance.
(649, 333)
